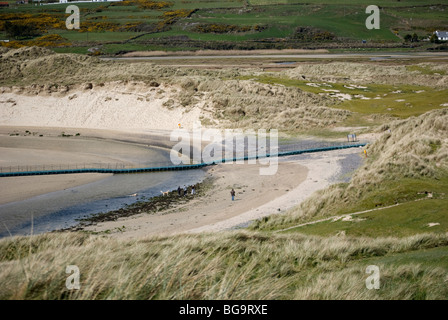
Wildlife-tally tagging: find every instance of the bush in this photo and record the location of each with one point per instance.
(16, 31)
(308, 34)
(50, 40)
(226, 28)
(144, 4)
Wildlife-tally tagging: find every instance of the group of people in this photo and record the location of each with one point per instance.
(184, 191)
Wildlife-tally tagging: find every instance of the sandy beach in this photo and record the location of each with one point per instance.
(256, 197)
(101, 131)
(252, 191)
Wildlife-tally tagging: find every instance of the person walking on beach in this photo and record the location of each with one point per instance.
(232, 193)
(192, 190)
(178, 191)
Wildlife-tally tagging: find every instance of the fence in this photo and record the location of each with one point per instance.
(154, 167)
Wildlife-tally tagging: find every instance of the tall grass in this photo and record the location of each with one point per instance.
(231, 265)
(409, 157)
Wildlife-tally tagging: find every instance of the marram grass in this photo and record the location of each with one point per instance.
(228, 265)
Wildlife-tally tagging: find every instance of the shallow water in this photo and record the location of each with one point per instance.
(61, 209)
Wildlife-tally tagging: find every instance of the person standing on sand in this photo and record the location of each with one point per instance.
(232, 193)
(192, 190)
(178, 191)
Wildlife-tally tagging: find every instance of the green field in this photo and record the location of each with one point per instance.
(278, 20)
(401, 221)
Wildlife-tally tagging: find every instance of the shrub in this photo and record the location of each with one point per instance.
(50, 40)
(144, 4)
(226, 28)
(308, 34)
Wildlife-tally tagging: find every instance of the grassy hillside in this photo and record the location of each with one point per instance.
(235, 265)
(228, 24)
(407, 163)
(403, 183)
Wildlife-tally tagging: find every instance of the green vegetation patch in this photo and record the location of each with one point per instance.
(422, 207)
(400, 221)
(401, 101)
(275, 24)
(425, 70)
(434, 257)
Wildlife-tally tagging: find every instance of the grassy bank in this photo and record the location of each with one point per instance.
(235, 265)
(407, 163)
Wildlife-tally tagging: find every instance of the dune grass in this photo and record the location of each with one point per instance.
(406, 163)
(410, 217)
(434, 257)
(403, 165)
(393, 100)
(230, 265)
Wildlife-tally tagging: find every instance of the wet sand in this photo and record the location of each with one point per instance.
(51, 152)
(256, 195)
(21, 188)
(252, 190)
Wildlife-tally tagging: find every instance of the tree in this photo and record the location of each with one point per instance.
(434, 38)
(414, 38)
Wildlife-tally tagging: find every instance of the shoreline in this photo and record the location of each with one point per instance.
(296, 180)
(321, 168)
(46, 147)
(152, 205)
(215, 205)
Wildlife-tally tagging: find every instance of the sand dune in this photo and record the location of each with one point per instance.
(113, 106)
